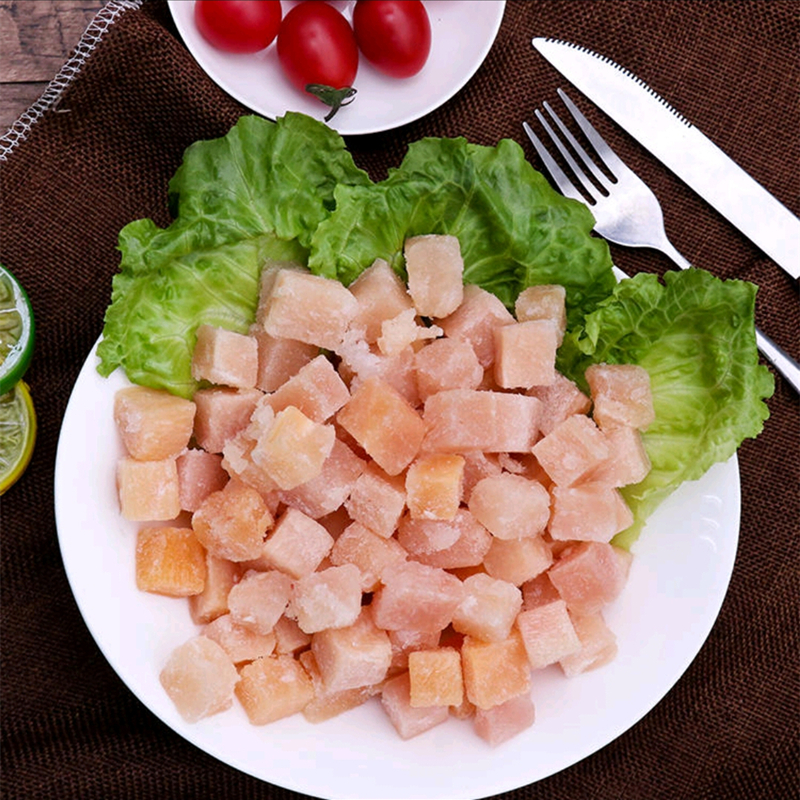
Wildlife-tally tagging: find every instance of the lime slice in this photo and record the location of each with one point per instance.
(16, 331)
(17, 434)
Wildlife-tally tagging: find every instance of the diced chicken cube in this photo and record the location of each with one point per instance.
(544, 302)
(294, 448)
(327, 704)
(358, 655)
(548, 634)
(621, 394)
(212, 602)
(435, 274)
(377, 501)
(279, 358)
(297, 544)
(627, 460)
(598, 644)
(525, 354)
(328, 599)
(433, 486)
(446, 364)
(538, 591)
(199, 474)
(308, 308)
(225, 358)
(153, 424)
(384, 424)
(232, 523)
(517, 560)
(240, 643)
(221, 414)
(407, 720)
(170, 561)
(381, 295)
(510, 506)
(316, 389)
(288, 636)
(372, 554)
(259, 599)
(435, 678)
(199, 678)
(403, 331)
(502, 722)
(560, 399)
(416, 596)
(461, 542)
(405, 642)
(474, 321)
(274, 687)
(494, 672)
(571, 450)
(148, 490)
(488, 609)
(588, 512)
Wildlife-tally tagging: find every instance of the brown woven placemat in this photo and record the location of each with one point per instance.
(102, 157)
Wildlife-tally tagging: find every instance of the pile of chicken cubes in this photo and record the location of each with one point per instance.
(385, 491)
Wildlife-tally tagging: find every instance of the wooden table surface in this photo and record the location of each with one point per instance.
(36, 38)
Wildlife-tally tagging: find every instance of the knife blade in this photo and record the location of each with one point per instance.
(684, 149)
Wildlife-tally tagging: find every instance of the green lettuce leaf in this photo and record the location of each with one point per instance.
(250, 197)
(514, 229)
(695, 336)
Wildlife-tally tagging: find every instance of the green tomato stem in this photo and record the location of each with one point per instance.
(335, 98)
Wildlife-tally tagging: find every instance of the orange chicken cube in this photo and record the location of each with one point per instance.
(433, 486)
(435, 678)
(212, 602)
(272, 688)
(170, 561)
(148, 490)
(494, 672)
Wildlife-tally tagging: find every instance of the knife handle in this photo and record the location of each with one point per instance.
(780, 359)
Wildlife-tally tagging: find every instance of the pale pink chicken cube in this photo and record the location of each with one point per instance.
(240, 643)
(199, 474)
(588, 512)
(414, 595)
(571, 450)
(538, 591)
(328, 599)
(407, 720)
(308, 308)
(560, 399)
(405, 642)
(494, 672)
(510, 506)
(403, 331)
(279, 358)
(621, 394)
(627, 460)
(598, 644)
(460, 420)
(381, 295)
(359, 655)
(434, 486)
(327, 704)
(477, 466)
(296, 545)
(505, 721)
(288, 636)
(435, 271)
(259, 599)
(544, 302)
(212, 602)
(377, 500)
(148, 491)
(547, 633)
(153, 424)
(517, 560)
(488, 608)
(199, 678)
(274, 687)
(446, 364)
(372, 554)
(461, 542)
(325, 493)
(316, 389)
(525, 354)
(233, 522)
(474, 321)
(384, 424)
(221, 414)
(225, 357)
(588, 575)
(294, 448)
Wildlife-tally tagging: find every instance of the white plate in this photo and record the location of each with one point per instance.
(462, 32)
(679, 577)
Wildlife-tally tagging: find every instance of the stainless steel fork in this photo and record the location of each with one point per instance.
(625, 209)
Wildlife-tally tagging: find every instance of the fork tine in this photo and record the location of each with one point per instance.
(564, 183)
(578, 148)
(609, 157)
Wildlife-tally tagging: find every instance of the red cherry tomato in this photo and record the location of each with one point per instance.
(394, 35)
(238, 26)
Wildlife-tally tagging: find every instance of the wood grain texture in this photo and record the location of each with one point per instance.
(36, 38)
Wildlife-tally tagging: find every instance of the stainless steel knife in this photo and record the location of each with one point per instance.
(678, 144)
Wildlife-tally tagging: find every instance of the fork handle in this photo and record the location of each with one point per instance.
(776, 356)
